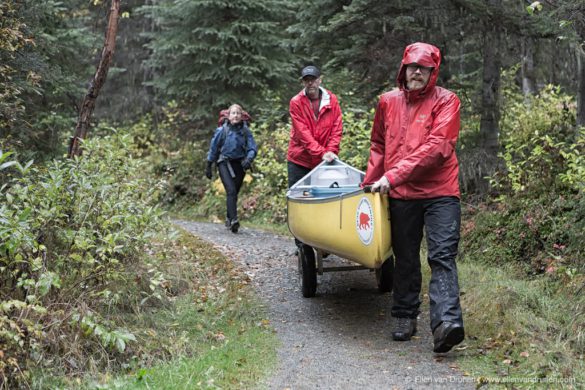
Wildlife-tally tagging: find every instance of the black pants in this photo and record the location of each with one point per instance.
(295, 173)
(441, 218)
(232, 185)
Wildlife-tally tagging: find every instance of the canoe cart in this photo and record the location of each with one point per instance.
(328, 211)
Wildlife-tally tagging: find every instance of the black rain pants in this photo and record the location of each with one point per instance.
(232, 185)
(441, 219)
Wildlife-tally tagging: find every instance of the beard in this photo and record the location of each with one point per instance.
(413, 84)
(312, 91)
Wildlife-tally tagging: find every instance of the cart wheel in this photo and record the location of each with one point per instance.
(307, 271)
(384, 275)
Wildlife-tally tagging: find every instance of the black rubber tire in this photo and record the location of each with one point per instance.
(385, 275)
(307, 271)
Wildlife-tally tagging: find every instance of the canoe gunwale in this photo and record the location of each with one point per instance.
(324, 199)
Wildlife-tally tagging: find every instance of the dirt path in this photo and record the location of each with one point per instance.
(340, 339)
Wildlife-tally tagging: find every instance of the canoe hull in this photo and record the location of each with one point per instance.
(354, 225)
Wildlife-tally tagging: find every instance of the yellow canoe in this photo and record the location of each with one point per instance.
(330, 212)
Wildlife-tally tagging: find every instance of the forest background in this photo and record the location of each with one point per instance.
(73, 231)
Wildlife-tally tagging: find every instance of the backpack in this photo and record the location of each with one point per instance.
(224, 115)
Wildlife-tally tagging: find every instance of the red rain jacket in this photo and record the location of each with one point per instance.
(311, 138)
(414, 134)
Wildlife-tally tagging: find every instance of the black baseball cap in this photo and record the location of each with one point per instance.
(310, 70)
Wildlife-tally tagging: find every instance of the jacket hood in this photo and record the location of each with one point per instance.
(423, 54)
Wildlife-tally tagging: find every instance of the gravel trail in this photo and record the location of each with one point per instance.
(340, 339)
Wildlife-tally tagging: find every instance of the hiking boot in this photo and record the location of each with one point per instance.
(404, 329)
(446, 336)
(234, 225)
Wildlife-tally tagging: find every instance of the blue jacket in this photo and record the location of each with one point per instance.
(234, 146)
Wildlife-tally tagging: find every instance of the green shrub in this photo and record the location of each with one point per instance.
(71, 237)
(265, 198)
(538, 220)
(538, 137)
(355, 144)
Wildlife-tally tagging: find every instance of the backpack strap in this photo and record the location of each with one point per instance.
(224, 132)
(222, 139)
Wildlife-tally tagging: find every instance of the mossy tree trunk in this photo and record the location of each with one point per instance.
(580, 53)
(490, 109)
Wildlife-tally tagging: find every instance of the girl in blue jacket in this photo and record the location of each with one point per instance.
(232, 148)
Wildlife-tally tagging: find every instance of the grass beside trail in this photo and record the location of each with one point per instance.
(212, 332)
(521, 333)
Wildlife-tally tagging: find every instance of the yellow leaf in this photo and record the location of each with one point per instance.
(218, 186)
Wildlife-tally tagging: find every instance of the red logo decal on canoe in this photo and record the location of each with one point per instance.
(364, 221)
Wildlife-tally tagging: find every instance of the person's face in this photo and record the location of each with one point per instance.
(417, 76)
(311, 85)
(235, 115)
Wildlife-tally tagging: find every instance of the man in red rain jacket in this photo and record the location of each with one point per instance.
(316, 129)
(316, 125)
(412, 158)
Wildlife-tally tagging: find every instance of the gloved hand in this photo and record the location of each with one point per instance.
(382, 186)
(246, 164)
(329, 156)
(208, 170)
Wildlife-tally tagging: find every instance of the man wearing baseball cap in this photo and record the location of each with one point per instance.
(316, 129)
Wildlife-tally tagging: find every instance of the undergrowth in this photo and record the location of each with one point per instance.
(207, 331)
(526, 333)
(72, 235)
(94, 283)
(522, 270)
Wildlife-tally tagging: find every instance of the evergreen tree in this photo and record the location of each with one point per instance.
(367, 37)
(210, 53)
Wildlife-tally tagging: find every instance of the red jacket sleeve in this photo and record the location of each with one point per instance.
(438, 147)
(301, 130)
(375, 168)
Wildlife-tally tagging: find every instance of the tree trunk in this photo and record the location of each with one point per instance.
(528, 81)
(489, 128)
(97, 82)
(581, 91)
